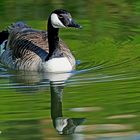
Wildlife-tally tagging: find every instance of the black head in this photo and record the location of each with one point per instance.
(61, 18)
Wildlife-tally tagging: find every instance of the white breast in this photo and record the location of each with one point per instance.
(57, 65)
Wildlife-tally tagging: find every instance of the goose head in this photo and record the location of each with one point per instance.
(61, 19)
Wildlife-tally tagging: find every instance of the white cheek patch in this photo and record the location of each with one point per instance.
(61, 124)
(56, 23)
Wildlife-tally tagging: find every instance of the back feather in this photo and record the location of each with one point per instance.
(24, 41)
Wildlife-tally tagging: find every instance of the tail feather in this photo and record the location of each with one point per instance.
(5, 33)
(3, 36)
(18, 25)
(3, 40)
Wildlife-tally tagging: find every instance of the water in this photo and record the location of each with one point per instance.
(100, 100)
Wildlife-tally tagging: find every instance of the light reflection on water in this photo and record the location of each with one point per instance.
(100, 100)
(32, 82)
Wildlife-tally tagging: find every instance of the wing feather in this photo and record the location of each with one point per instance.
(24, 42)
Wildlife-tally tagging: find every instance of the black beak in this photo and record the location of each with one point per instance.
(72, 23)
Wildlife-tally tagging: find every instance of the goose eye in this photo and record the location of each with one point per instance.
(60, 16)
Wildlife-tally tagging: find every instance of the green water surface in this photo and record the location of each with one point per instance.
(101, 98)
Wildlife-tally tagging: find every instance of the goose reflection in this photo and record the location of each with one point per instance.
(56, 81)
(62, 125)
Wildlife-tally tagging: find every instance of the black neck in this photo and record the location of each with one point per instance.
(53, 39)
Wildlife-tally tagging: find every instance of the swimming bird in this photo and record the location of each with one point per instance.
(24, 48)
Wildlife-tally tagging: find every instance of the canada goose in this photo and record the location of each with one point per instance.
(34, 50)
